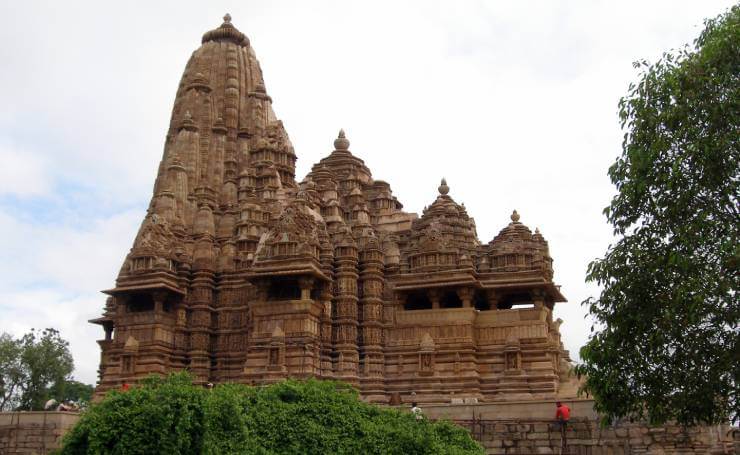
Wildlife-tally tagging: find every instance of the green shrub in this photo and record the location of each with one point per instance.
(292, 417)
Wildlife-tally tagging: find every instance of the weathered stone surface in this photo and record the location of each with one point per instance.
(504, 425)
(41, 432)
(239, 273)
(33, 432)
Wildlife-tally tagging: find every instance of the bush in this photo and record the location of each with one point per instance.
(172, 416)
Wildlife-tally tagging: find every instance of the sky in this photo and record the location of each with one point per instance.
(515, 103)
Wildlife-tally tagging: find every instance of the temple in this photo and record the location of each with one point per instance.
(239, 273)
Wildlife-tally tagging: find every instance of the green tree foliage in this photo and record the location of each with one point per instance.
(32, 366)
(668, 342)
(172, 416)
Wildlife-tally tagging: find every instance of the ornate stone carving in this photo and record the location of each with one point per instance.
(240, 272)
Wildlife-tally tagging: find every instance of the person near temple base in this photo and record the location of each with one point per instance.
(416, 411)
(562, 415)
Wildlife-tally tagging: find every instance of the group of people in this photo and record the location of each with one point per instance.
(562, 416)
(54, 405)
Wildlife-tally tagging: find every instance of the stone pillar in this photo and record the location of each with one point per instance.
(434, 296)
(325, 369)
(538, 298)
(493, 298)
(466, 295)
(201, 307)
(306, 285)
(108, 327)
(371, 307)
(159, 298)
(346, 300)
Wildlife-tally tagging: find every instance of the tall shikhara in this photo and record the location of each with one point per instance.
(238, 273)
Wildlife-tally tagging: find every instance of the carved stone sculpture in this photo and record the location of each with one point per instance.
(239, 273)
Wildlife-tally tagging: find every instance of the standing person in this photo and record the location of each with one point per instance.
(416, 411)
(562, 415)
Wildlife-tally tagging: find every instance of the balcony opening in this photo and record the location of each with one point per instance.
(517, 301)
(481, 302)
(418, 301)
(283, 289)
(450, 299)
(140, 303)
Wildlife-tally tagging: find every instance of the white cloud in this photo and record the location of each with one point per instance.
(77, 259)
(53, 272)
(22, 173)
(26, 309)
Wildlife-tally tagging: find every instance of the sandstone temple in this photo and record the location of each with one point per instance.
(240, 273)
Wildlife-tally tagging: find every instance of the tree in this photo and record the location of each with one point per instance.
(11, 372)
(170, 415)
(668, 342)
(30, 367)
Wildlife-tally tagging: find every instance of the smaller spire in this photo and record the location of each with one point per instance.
(443, 188)
(219, 126)
(341, 143)
(187, 122)
(515, 217)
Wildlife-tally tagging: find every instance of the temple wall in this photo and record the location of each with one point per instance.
(505, 428)
(527, 427)
(33, 432)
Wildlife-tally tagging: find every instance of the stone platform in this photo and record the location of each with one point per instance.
(527, 427)
(33, 432)
(502, 428)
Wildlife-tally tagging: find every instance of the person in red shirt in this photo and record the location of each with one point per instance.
(562, 415)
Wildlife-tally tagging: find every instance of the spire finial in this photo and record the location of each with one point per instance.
(341, 143)
(226, 32)
(515, 216)
(443, 188)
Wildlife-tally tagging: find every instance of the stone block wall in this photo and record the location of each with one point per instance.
(585, 437)
(34, 433)
(529, 428)
(504, 428)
